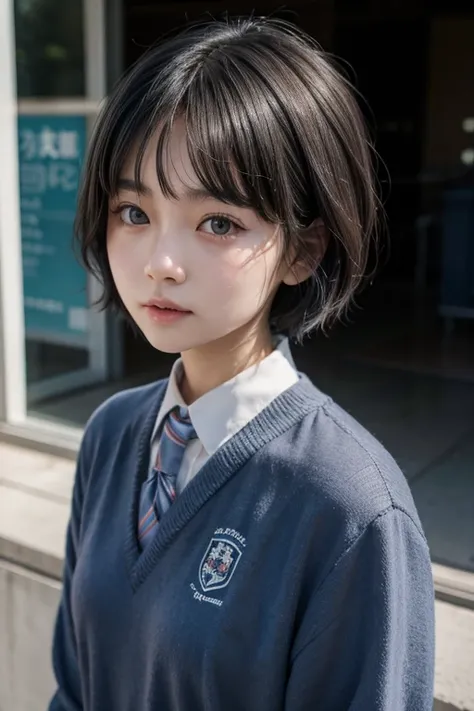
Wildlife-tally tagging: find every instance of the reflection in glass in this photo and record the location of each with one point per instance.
(49, 48)
(47, 360)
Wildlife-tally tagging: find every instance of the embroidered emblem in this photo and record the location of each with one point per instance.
(218, 564)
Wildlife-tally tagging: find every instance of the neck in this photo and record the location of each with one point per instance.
(207, 367)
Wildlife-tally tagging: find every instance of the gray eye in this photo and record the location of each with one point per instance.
(134, 216)
(220, 225)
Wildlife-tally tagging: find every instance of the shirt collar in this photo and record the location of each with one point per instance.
(223, 411)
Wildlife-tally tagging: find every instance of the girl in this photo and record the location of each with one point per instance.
(237, 542)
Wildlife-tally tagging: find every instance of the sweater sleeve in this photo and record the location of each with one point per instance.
(366, 642)
(65, 664)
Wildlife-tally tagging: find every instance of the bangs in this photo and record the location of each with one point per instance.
(238, 147)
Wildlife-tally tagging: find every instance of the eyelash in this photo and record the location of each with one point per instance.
(221, 216)
(124, 206)
(217, 215)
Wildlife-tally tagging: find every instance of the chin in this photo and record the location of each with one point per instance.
(167, 341)
(186, 336)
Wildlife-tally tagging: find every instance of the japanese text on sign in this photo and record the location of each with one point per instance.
(51, 149)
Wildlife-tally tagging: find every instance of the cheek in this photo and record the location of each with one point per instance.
(125, 261)
(241, 277)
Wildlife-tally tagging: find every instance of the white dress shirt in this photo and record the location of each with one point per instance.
(222, 412)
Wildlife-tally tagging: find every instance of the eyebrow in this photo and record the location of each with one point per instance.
(133, 187)
(193, 194)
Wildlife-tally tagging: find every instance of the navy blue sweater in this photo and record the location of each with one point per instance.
(291, 574)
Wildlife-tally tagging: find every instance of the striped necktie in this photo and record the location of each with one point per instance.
(159, 490)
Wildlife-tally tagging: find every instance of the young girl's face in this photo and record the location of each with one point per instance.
(217, 265)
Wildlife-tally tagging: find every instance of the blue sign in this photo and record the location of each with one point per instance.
(51, 152)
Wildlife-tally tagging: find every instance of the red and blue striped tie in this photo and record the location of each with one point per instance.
(159, 490)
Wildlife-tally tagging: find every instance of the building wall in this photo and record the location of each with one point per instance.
(28, 606)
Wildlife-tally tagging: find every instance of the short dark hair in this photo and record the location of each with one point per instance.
(263, 102)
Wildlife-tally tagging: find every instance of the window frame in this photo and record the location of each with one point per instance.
(15, 423)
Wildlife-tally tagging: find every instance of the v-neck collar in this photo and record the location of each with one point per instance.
(285, 411)
(223, 411)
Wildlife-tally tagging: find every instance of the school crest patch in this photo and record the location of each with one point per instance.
(218, 564)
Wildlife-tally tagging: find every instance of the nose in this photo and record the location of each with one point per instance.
(164, 264)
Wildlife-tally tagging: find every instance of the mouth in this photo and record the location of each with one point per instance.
(165, 311)
(165, 305)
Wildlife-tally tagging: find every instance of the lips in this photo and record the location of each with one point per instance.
(165, 305)
(165, 312)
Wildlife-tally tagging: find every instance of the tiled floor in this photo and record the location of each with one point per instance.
(445, 499)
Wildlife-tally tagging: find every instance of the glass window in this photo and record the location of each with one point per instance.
(49, 48)
(55, 285)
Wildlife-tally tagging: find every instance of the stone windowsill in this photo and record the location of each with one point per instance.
(35, 499)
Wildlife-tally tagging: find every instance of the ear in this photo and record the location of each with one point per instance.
(316, 237)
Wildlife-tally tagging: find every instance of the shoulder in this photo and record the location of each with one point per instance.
(342, 491)
(340, 469)
(113, 429)
(124, 413)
